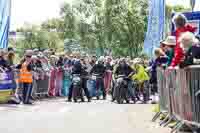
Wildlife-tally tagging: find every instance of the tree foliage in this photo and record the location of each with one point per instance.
(97, 26)
(116, 25)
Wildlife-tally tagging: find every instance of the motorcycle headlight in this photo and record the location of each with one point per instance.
(76, 79)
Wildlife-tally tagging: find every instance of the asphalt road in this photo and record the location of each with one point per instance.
(57, 116)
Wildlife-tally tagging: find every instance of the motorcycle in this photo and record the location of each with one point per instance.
(144, 90)
(121, 90)
(77, 89)
(95, 91)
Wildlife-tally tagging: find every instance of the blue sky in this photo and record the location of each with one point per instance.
(36, 11)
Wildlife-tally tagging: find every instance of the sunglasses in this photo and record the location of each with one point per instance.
(28, 56)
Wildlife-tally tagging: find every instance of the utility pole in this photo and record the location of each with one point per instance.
(192, 4)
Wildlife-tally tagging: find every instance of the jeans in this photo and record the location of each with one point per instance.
(84, 86)
(27, 91)
(131, 89)
(100, 86)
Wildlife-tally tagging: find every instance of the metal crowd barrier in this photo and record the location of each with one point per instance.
(6, 86)
(163, 98)
(179, 93)
(45, 84)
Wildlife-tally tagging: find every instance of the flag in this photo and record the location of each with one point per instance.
(156, 24)
(5, 10)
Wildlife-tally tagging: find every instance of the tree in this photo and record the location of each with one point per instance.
(126, 25)
(34, 37)
(69, 27)
(117, 25)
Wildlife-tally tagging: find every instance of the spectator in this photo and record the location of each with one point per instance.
(169, 45)
(10, 58)
(186, 41)
(161, 59)
(26, 77)
(195, 49)
(60, 62)
(181, 27)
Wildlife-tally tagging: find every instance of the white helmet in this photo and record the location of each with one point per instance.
(101, 59)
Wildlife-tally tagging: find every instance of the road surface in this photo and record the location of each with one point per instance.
(57, 116)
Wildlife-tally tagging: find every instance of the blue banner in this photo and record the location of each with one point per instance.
(5, 10)
(156, 24)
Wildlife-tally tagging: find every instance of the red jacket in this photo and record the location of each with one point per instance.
(179, 54)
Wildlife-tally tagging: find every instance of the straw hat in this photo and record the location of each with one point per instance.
(170, 41)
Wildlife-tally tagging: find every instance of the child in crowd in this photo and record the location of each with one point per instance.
(161, 59)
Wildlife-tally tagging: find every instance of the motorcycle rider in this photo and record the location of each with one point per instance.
(100, 69)
(84, 78)
(93, 61)
(124, 69)
(78, 69)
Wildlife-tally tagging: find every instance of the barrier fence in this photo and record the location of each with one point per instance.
(179, 97)
(52, 83)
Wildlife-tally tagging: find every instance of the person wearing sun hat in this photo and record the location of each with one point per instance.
(26, 76)
(169, 44)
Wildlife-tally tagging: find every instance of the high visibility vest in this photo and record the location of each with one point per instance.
(25, 75)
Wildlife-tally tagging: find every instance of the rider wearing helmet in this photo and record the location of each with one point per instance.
(78, 69)
(99, 69)
(124, 69)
